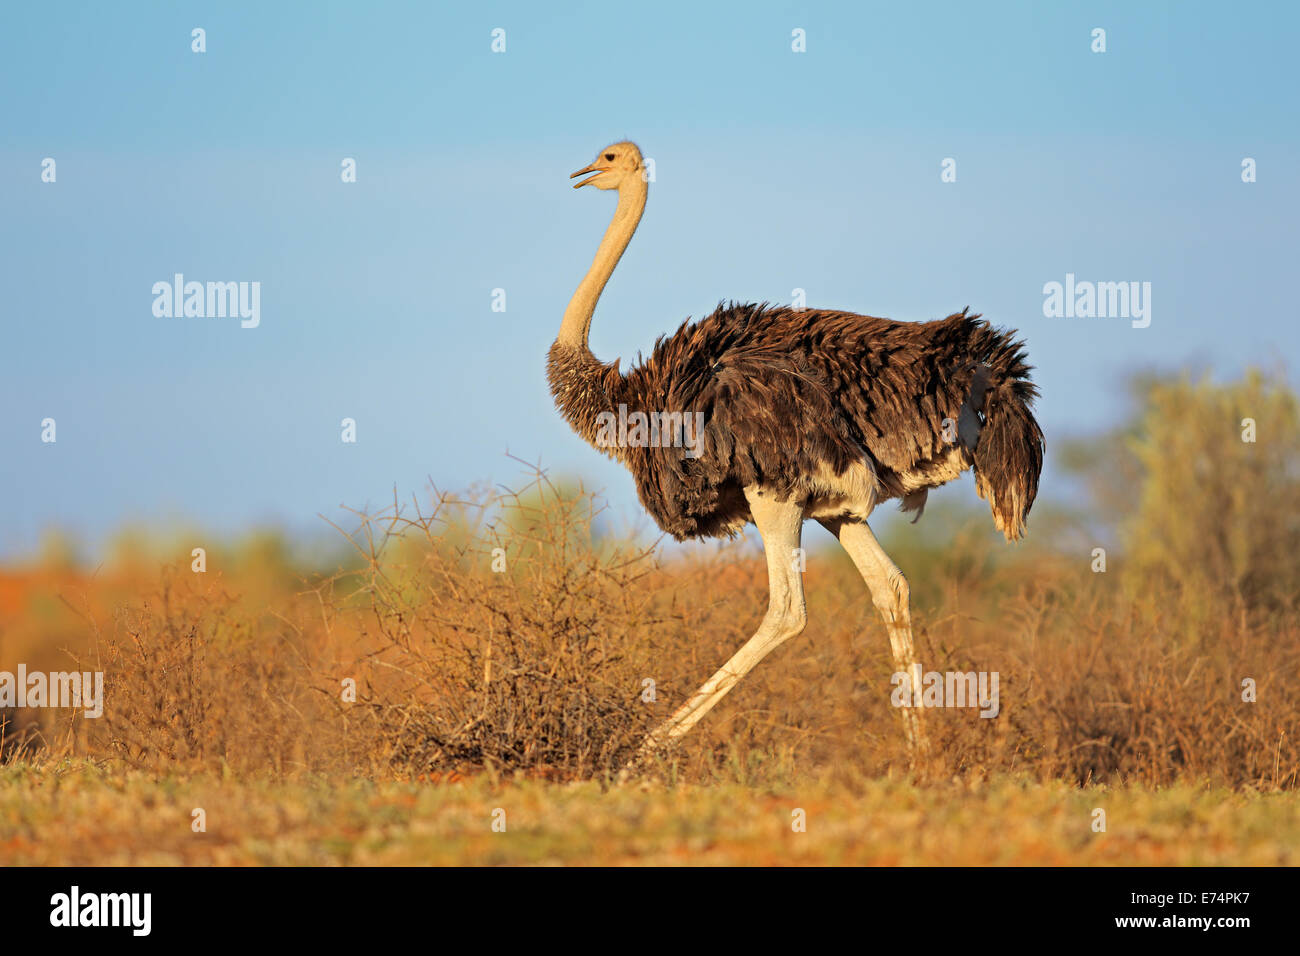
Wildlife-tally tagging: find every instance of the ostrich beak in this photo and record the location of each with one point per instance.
(593, 168)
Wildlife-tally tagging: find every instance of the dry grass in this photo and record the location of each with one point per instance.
(81, 815)
(541, 666)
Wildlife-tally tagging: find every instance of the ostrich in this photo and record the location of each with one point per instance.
(807, 414)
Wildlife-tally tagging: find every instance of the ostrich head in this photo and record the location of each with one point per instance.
(615, 166)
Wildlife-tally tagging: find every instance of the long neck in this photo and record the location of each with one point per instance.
(576, 325)
(584, 387)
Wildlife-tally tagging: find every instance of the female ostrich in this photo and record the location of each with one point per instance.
(805, 414)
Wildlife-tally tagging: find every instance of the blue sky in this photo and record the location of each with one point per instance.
(775, 170)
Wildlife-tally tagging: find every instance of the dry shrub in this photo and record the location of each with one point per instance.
(539, 666)
(506, 634)
(194, 681)
(1101, 686)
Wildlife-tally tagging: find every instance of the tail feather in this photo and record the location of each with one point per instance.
(1009, 455)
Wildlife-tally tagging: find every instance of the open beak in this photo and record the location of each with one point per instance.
(593, 168)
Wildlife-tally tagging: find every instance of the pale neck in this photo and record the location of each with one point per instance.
(577, 317)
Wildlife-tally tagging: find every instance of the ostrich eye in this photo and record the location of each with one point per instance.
(609, 157)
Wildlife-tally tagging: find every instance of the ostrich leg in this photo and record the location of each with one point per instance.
(780, 524)
(891, 596)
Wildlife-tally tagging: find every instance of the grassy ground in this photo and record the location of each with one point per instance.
(76, 813)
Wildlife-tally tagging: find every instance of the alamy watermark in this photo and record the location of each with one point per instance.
(208, 300)
(75, 908)
(946, 689)
(56, 689)
(1098, 300)
(651, 430)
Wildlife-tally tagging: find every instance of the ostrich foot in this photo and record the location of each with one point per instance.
(640, 760)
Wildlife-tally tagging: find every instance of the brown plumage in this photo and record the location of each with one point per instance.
(777, 415)
(788, 393)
